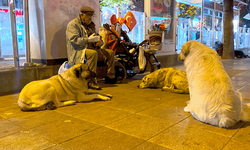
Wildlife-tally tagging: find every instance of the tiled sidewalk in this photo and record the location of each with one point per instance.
(137, 119)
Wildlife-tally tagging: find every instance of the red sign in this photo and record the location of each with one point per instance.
(18, 12)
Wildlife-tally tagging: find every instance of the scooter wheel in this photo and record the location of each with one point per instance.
(120, 71)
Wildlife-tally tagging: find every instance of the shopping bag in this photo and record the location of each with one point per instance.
(65, 66)
(141, 59)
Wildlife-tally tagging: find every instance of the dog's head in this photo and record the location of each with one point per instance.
(78, 75)
(147, 81)
(81, 71)
(185, 50)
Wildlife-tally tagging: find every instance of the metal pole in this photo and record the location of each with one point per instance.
(202, 17)
(1, 58)
(27, 33)
(238, 31)
(14, 34)
(119, 12)
(213, 23)
(144, 25)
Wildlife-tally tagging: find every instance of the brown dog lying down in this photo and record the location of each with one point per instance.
(64, 89)
(168, 79)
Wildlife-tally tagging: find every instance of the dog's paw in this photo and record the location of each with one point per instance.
(105, 98)
(70, 102)
(226, 122)
(186, 109)
(165, 88)
(107, 95)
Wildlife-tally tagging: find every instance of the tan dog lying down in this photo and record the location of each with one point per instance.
(212, 97)
(168, 79)
(64, 89)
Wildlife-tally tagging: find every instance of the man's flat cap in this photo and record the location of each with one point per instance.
(87, 9)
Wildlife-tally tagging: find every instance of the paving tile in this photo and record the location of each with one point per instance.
(246, 87)
(233, 145)
(149, 146)
(238, 84)
(232, 72)
(8, 100)
(8, 128)
(37, 118)
(243, 135)
(78, 108)
(141, 100)
(56, 147)
(25, 140)
(245, 74)
(103, 139)
(12, 111)
(191, 123)
(240, 78)
(245, 95)
(139, 126)
(239, 67)
(166, 112)
(133, 105)
(102, 115)
(63, 130)
(179, 137)
(9, 97)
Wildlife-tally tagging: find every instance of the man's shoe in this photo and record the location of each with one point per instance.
(93, 85)
(111, 81)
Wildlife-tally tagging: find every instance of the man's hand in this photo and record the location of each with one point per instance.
(93, 38)
(99, 43)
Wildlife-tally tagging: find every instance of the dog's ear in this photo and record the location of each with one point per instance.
(78, 71)
(144, 79)
(82, 71)
(185, 49)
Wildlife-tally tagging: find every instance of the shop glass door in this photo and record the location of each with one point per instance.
(208, 27)
(188, 24)
(218, 28)
(6, 50)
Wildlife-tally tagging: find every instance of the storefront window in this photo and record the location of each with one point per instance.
(162, 12)
(188, 25)
(137, 34)
(208, 27)
(107, 12)
(6, 36)
(237, 34)
(218, 25)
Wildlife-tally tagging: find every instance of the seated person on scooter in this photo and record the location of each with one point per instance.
(81, 37)
(123, 35)
(113, 42)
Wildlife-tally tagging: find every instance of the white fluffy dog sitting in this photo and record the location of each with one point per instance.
(65, 89)
(168, 79)
(212, 97)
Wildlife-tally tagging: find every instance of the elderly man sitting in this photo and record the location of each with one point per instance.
(81, 37)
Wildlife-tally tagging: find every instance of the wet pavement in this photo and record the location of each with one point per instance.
(136, 119)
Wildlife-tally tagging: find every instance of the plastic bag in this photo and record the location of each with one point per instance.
(65, 66)
(141, 59)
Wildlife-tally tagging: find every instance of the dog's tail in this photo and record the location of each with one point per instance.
(245, 109)
(245, 112)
